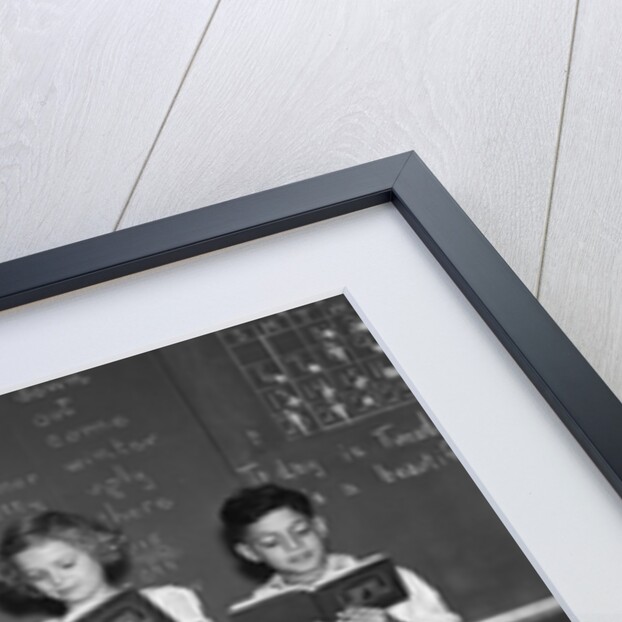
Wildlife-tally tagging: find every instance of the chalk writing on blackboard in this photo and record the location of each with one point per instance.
(112, 449)
(86, 431)
(283, 470)
(435, 457)
(154, 558)
(439, 456)
(383, 454)
(117, 484)
(19, 495)
(388, 436)
(63, 409)
(41, 391)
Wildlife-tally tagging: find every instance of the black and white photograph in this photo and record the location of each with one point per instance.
(310, 311)
(279, 469)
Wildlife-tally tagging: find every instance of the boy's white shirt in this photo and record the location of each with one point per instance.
(424, 604)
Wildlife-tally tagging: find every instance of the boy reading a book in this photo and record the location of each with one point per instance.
(278, 527)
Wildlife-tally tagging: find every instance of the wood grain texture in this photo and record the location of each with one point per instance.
(283, 91)
(582, 275)
(84, 88)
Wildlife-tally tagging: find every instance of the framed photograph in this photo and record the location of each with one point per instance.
(353, 337)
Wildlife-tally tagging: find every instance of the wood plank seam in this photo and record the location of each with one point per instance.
(558, 141)
(166, 115)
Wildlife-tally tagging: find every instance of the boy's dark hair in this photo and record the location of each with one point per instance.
(106, 546)
(248, 505)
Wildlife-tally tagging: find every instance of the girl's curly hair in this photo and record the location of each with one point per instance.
(106, 546)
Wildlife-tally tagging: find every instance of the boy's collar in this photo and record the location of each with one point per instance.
(334, 563)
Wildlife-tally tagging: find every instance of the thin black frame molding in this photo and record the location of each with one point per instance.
(581, 399)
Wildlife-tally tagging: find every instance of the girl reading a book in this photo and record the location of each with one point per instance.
(78, 564)
(278, 527)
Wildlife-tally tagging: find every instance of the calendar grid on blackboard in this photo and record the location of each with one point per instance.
(315, 368)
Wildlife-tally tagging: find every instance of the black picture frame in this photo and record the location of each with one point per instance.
(581, 399)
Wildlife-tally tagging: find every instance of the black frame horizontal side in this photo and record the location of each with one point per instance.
(576, 393)
(88, 262)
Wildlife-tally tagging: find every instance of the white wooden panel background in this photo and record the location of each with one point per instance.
(84, 88)
(112, 114)
(582, 276)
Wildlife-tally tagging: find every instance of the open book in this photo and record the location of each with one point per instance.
(373, 582)
(127, 606)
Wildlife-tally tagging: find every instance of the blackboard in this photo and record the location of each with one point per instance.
(378, 469)
(118, 443)
(154, 444)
